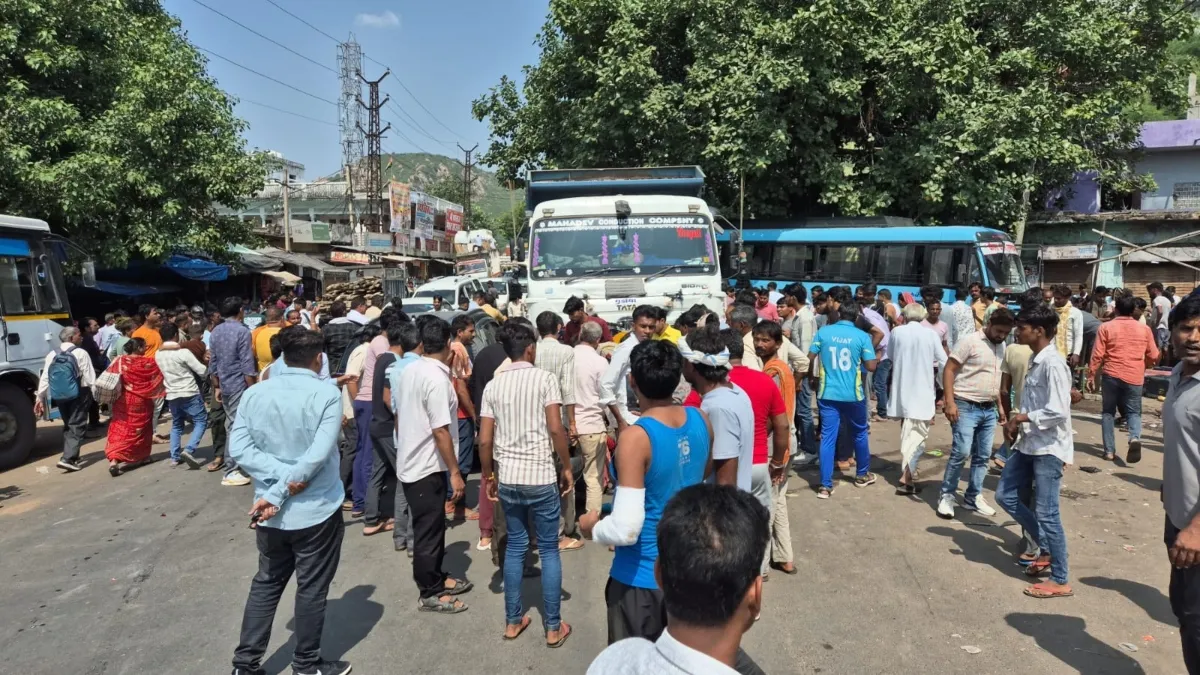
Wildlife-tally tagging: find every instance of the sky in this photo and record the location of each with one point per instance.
(446, 53)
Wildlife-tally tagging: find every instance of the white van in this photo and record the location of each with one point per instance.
(453, 290)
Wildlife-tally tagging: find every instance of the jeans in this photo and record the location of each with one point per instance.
(542, 502)
(425, 503)
(973, 434)
(466, 454)
(312, 554)
(804, 417)
(1043, 523)
(74, 415)
(1114, 392)
(832, 414)
(216, 420)
(1185, 604)
(383, 472)
(363, 455)
(883, 373)
(230, 403)
(181, 409)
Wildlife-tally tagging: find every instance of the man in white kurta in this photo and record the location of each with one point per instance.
(915, 350)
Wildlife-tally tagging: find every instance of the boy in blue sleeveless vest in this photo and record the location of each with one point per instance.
(667, 450)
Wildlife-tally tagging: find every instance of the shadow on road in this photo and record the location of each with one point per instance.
(1148, 483)
(996, 551)
(1149, 598)
(1067, 639)
(7, 493)
(348, 621)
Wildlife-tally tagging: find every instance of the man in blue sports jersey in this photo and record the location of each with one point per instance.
(664, 451)
(843, 351)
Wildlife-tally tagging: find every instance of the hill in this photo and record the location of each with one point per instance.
(423, 169)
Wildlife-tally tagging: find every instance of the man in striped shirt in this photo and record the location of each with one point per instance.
(521, 432)
(559, 360)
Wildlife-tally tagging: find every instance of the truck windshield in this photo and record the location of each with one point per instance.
(1003, 265)
(568, 247)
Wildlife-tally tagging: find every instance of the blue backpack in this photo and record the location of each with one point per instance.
(63, 376)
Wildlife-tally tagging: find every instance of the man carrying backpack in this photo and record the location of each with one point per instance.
(66, 381)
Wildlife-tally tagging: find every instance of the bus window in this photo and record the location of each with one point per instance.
(900, 264)
(943, 265)
(725, 255)
(17, 291)
(842, 263)
(758, 259)
(793, 261)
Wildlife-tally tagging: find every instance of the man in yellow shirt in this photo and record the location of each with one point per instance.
(260, 339)
(148, 331)
(665, 331)
(485, 303)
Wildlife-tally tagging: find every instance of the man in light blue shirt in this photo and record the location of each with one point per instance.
(843, 352)
(285, 438)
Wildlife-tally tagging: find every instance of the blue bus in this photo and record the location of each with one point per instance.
(900, 259)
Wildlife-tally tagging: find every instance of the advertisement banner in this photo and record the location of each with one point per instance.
(402, 240)
(398, 196)
(425, 218)
(379, 242)
(454, 219)
(306, 232)
(349, 257)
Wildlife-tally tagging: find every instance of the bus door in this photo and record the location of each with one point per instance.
(32, 302)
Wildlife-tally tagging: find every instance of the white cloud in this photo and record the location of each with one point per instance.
(385, 19)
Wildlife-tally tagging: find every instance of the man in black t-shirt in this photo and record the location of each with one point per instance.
(403, 342)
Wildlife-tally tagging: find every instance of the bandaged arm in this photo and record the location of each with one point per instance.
(624, 526)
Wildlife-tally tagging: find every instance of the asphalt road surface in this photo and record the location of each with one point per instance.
(148, 573)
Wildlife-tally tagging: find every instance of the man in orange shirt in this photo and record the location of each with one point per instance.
(1124, 348)
(260, 338)
(148, 331)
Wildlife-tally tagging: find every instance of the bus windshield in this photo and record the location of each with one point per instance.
(1003, 265)
(568, 247)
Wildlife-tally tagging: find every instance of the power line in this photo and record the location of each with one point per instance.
(274, 42)
(375, 61)
(251, 70)
(280, 8)
(412, 123)
(287, 112)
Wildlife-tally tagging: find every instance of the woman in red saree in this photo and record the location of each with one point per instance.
(130, 432)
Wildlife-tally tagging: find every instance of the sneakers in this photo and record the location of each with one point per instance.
(803, 459)
(1135, 451)
(326, 668)
(865, 480)
(190, 459)
(945, 507)
(824, 492)
(980, 506)
(235, 478)
(243, 671)
(69, 465)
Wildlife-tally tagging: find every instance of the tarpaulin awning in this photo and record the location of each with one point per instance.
(197, 269)
(284, 276)
(400, 258)
(133, 290)
(253, 261)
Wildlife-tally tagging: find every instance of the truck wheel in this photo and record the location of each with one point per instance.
(18, 427)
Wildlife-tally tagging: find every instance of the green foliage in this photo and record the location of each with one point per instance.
(113, 132)
(941, 110)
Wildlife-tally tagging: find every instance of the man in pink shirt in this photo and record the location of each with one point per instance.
(1123, 349)
(589, 414)
(765, 309)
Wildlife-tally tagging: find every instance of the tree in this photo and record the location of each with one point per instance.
(941, 110)
(114, 133)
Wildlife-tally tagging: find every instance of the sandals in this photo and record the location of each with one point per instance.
(564, 632)
(1044, 592)
(1024, 561)
(525, 621)
(783, 567)
(114, 469)
(569, 544)
(436, 604)
(1038, 567)
(386, 526)
(460, 586)
(215, 465)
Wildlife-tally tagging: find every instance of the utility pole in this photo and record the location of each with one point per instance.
(374, 214)
(350, 199)
(467, 184)
(287, 211)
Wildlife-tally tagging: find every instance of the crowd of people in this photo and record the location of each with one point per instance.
(693, 427)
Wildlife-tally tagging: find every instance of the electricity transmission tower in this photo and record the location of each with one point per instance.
(350, 118)
(373, 217)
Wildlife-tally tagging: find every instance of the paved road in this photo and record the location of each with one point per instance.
(148, 573)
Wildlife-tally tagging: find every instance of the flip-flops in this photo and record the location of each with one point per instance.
(1044, 592)
(564, 632)
(525, 621)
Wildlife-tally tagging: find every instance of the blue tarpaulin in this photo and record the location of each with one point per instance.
(196, 269)
(133, 290)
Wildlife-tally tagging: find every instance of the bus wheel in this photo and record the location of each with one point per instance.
(18, 426)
